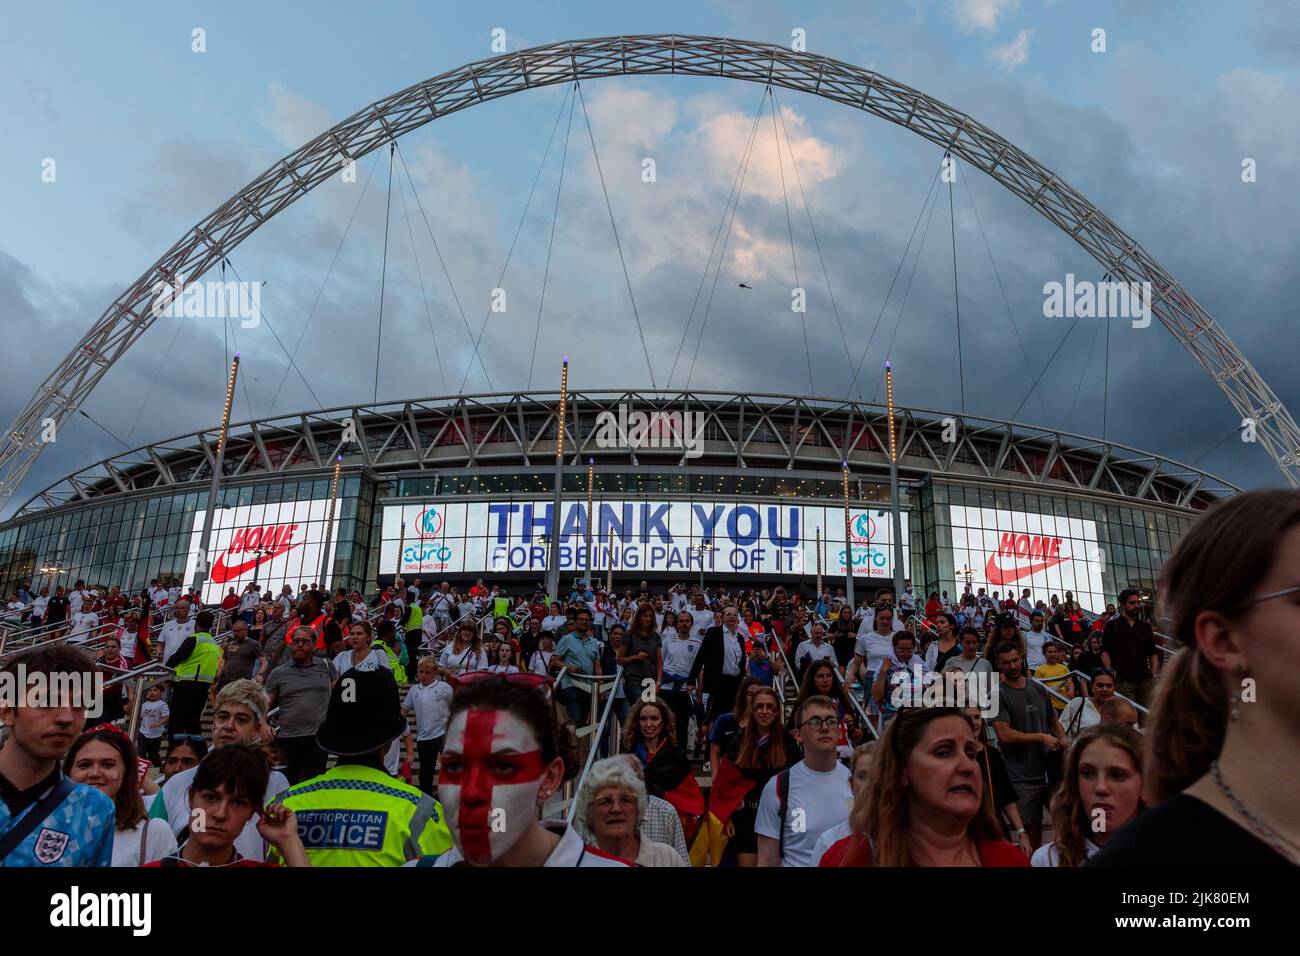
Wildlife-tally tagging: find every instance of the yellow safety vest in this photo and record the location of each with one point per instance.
(359, 816)
(203, 661)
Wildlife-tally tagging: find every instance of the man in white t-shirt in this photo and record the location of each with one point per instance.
(79, 598)
(83, 625)
(555, 621)
(175, 631)
(1025, 607)
(800, 804)
(38, 607)
(249, 600)
(441, 603)
(815, 648)
(1035, 638)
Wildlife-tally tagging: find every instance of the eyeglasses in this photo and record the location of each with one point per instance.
(819, 723)
(625, 800)
(518, 680)
(1268, 597)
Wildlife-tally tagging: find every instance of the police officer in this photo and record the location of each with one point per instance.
(357, 814)
(196, 662)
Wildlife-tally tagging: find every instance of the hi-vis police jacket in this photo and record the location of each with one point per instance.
(360, 816)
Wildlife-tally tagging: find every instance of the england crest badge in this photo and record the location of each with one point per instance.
(50, 845)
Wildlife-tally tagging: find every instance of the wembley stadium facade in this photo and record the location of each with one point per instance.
(757, 479)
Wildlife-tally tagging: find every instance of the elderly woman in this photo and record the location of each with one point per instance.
(611, 805)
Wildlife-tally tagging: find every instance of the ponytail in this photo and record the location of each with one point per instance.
(1215, 567)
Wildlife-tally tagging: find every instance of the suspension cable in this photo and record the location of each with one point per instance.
(907, 293)
(383, 272)
(321, 291)
(270, 328)
(1092, 347)
(617, 243)
(956, 298)
(1001, 289)
(722, 254)
(901, 262)
(158, 373)
(789, 225)
(518, 229)
(816, 241)
(443, 262)
(550, 245)
(428, 314)
(758, 115)
(1049, 362)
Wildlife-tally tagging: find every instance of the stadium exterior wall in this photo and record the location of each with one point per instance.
(1009, 505)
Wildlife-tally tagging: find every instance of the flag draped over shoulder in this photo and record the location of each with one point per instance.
(668, 774)
(730, 788)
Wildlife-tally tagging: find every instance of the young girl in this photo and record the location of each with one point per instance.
(226, 791)
(104, 758)
(505, 662)
(1102, 783)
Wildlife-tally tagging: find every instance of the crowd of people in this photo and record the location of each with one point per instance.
(746, 727)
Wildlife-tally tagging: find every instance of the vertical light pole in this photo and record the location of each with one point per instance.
(553, 555)
(401, 543)
(205, 537)
(609, 573)
(893, 484)
(819, 563)
(591, 485)
(329, 527)
(848, 539)
(705, 547)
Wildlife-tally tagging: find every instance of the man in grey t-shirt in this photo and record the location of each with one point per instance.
(1027, 730)
(300, 687)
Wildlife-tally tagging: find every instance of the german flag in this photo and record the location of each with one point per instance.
(730, 788)
(668, 775)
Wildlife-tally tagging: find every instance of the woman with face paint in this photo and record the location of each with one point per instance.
(505, 756)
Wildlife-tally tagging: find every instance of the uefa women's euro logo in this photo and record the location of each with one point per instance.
(429, 524)
(428, 554)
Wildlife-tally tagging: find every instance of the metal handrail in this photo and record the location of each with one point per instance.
(595, 731)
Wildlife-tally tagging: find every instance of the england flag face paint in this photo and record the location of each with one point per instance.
(491, 774)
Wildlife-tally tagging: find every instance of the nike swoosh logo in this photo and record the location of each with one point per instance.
(997, 575)
(221, 572)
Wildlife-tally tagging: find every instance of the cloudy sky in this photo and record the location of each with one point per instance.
(149, 136)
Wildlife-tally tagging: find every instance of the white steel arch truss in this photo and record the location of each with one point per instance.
(757, 432)
(203, 246)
